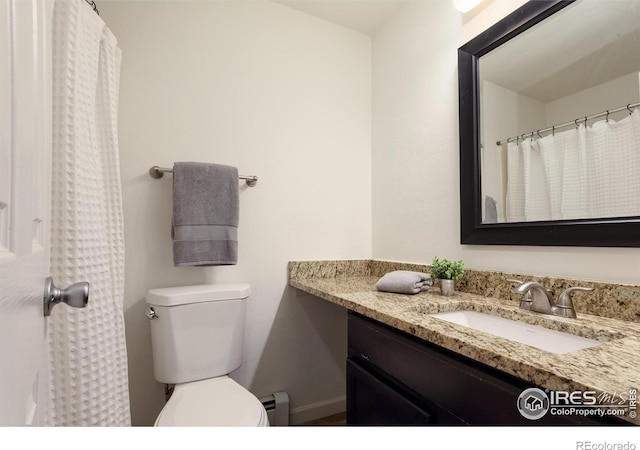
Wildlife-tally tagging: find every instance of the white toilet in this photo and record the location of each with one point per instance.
(197, 335)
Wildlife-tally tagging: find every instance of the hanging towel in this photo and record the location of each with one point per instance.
(490, 210)
(404, 282)
(205, 214)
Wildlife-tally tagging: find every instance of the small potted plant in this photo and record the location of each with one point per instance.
(448, 272)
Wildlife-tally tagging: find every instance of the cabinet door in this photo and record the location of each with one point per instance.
(371, 401)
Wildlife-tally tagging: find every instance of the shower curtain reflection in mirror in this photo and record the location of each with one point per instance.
(590, 171)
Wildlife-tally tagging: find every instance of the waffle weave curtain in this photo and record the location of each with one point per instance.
(88, 358)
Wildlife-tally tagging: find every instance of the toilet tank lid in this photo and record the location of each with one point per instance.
(182, 295)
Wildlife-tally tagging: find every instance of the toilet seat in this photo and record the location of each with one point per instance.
(214, 402)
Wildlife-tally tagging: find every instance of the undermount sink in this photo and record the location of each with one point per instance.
(543, 338)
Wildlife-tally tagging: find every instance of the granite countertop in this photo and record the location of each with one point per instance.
(611, 368)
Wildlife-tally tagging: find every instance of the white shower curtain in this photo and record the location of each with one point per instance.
(88, 359)
(565, 158)
(515, 184)
(586, 172)
(613, 159)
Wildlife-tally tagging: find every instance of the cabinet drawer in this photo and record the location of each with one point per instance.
(372, 401)
(474, 393)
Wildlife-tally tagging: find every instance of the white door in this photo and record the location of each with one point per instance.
(25, 184)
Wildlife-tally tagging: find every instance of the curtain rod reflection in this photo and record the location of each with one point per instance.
(553, 128)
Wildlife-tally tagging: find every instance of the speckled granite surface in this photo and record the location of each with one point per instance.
(612, 367)
(617, 301)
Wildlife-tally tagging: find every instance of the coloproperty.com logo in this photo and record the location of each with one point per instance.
(534, 403)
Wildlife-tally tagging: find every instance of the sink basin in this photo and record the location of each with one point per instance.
(533, 335)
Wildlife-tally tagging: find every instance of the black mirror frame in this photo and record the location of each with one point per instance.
(609, 232)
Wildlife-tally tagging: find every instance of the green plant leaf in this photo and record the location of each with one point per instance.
(446, 270)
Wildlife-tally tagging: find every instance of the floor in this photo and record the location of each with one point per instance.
(336, 420)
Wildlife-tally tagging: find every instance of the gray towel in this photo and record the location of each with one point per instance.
(490, 210)
(205, 214)
(404, 282)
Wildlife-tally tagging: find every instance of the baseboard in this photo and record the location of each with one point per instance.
(317, 410)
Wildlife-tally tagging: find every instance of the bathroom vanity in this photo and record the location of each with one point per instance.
(394, 378)
(406, 366)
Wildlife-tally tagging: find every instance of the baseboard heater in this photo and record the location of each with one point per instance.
(277, 407)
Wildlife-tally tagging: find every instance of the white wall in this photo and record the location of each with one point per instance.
(280, 95)
(416, 152)
(505, 114)
(610, 95)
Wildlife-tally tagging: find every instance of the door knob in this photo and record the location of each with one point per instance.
(76, 295)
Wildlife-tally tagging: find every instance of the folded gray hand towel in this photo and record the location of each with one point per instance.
(205, 214)
(404, 282)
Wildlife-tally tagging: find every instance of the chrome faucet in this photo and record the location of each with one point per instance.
(525, 299)
(542, 300)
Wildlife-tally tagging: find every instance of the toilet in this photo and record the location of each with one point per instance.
(197, 335)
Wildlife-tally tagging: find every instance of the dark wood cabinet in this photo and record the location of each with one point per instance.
(394, 378)
(375, 401)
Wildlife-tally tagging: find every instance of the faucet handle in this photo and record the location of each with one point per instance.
(518, 282)
(565, 302)
(526, 299)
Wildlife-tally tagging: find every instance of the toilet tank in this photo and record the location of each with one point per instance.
(197, 332)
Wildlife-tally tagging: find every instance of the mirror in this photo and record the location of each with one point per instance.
(549, 102)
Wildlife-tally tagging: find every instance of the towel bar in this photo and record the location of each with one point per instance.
(158, 172)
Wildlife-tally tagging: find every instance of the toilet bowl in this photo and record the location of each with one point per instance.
(217, 402)
(197, 336)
